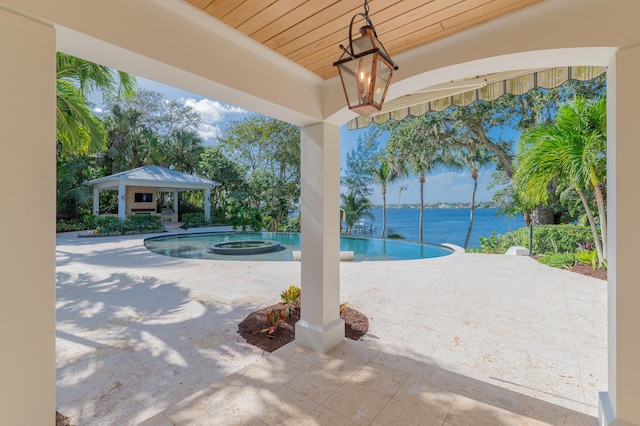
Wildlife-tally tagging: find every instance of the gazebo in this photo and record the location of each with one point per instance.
(138, 189)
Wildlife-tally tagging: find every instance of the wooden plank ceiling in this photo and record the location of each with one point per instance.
(309, 32)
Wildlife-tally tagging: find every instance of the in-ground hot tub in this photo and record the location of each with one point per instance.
(244, 247)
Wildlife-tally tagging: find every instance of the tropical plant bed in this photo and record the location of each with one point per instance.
(584, 269)
(356, 326)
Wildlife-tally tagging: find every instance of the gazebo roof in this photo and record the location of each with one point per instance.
(161, 178)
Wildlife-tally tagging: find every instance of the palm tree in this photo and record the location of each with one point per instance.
(414, 145)
(355, 207)
(472, 156)
(78, 129)
(589, 119)
(384, 174)
(573, 147)
(186, 150)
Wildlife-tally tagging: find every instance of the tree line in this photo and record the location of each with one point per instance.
(256, 160)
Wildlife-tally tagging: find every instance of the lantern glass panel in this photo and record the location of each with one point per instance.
(383, 74)
(356, 78)
(364, 43)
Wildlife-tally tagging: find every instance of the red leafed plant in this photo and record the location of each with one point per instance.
(291, 299)
(275, 318)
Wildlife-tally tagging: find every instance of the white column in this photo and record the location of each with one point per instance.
(27, 252)
(122, 194)
(207, 203)
(621, 404)
(175, 201)
(96, 201)
(320, 327)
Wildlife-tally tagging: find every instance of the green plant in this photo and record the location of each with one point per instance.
(193, 220)
(588, 257)
(546, 239)
(291, 298)
(108, 225)
(141, 223)
(392, 234)
(275, 318)
(65, 225)
(558, 260)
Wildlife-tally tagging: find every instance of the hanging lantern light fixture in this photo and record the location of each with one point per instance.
(365, 68)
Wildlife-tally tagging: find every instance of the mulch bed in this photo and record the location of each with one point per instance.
(583, 269)
(356, 326)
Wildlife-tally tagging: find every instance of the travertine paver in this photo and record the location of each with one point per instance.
(466, 339)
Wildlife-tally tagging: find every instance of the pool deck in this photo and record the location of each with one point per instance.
(466, 339)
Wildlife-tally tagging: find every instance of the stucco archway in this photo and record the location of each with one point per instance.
(138, 41)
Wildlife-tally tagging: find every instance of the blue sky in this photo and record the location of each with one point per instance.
(444, 187)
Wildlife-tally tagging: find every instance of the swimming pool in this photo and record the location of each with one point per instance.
(194, 246)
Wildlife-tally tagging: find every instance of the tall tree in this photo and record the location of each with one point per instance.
(472, 156)
(148, 129)
(362, 162)
(356, 207)
(216, 166)
(185, 148)
(414, 146)
(269, 151)
(383, 175)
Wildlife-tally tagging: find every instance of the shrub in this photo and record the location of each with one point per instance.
(193, 220)
(546, 238)
(141, 223)
(66, 225)
(291, 298)
(558, 260)
(109, 225)
(275, 318)
(392, 234)
(588, 257)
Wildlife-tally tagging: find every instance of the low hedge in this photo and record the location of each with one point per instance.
(546, 239)
(112, 225)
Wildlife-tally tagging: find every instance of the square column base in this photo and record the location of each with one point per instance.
(606, 415)
(320, 339)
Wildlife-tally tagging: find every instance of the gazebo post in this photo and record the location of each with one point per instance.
(96, 202)
(207, 204)
(122, 191)
(175, 201)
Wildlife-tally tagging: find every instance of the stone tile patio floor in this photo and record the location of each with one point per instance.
(465, 339)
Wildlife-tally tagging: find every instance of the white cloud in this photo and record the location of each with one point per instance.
(211, 113)
(209, 132)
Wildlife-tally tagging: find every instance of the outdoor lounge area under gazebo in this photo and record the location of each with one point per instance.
(138, 191)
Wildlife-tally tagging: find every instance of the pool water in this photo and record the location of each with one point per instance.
(194, 246)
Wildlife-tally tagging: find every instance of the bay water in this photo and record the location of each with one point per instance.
(445, 225)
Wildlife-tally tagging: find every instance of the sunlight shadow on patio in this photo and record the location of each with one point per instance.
(359, 384)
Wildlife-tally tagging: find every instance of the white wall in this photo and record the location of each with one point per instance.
(27, 221)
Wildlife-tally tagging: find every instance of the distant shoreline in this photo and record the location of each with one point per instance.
(479, 205)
